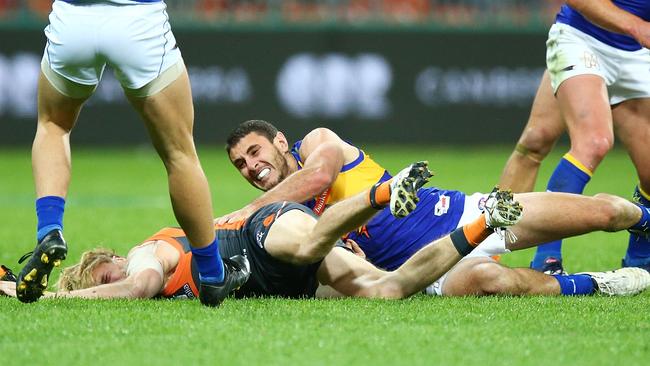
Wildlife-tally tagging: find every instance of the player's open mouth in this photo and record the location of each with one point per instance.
(263, 173)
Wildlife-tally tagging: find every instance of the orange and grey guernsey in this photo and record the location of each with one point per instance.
(269, 276)
(185, 280)
(354, 177)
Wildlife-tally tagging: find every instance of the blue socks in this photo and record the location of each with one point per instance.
(209, 262)
(49, 212)
(638, 250)
(577, 284)
(569, 176)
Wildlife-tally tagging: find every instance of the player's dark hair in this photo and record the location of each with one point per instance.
(258, 126)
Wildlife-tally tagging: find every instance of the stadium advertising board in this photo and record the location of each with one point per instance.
(371, 86)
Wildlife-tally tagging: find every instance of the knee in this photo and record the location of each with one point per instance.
(611, 211)
(538, 140)
(594, 147)
(489, 278)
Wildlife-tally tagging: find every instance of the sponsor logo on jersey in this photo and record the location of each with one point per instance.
(258, 238)
(321, 201)
(184, 292)
(442, 206)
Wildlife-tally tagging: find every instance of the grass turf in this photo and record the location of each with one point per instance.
(119, 197)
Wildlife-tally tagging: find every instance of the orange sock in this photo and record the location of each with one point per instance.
(476, 231)
(466, 238)
(379, 195)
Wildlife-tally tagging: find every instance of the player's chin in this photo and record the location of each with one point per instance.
(266, 184)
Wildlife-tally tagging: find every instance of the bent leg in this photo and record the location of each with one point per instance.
(544, 128)
(298, 237)
(312, 241)
(483, 276)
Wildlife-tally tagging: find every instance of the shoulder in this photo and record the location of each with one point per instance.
(323, 137)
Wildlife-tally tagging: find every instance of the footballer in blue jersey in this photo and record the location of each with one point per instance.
(323, 169)
(597, 84)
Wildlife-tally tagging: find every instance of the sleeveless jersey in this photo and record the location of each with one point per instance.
(353, 178)
(387, 241)
(640, 8)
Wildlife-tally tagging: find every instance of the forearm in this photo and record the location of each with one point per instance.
(118, 290)
(607, 15)
(426, 266)
(298, 187)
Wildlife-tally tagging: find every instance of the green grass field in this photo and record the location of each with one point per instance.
(119, 197)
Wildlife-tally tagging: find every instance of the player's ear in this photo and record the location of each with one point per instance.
(281, 142)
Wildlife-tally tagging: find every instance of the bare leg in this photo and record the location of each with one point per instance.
(352, 276)
(296, 237)
(169, 118)
(632, 124)
(51, 162)
(551, 216)
(483, 276)
(585, 107)
(544, 128)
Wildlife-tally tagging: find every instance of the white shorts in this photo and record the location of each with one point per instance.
(570, 52)
(491, 246)
(135, 40)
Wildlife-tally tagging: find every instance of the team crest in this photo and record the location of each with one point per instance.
(442, 206)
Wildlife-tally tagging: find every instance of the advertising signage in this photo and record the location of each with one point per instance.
(370, 86)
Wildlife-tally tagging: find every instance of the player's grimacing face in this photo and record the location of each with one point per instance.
(259, 161)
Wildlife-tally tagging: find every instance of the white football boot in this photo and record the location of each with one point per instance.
(621, 282)
(502, 211)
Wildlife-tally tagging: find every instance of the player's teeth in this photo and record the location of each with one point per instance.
(263, 173)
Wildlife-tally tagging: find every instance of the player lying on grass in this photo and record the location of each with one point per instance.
(290, 254)
(286, 252)
(322, 169)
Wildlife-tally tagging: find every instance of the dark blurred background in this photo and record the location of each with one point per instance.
(383, 71)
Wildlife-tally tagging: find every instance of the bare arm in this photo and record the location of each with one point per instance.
(143, 285)
(324, 154)
(609, 16)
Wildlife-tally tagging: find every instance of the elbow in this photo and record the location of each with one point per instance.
(140, 291)
(321, 180)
